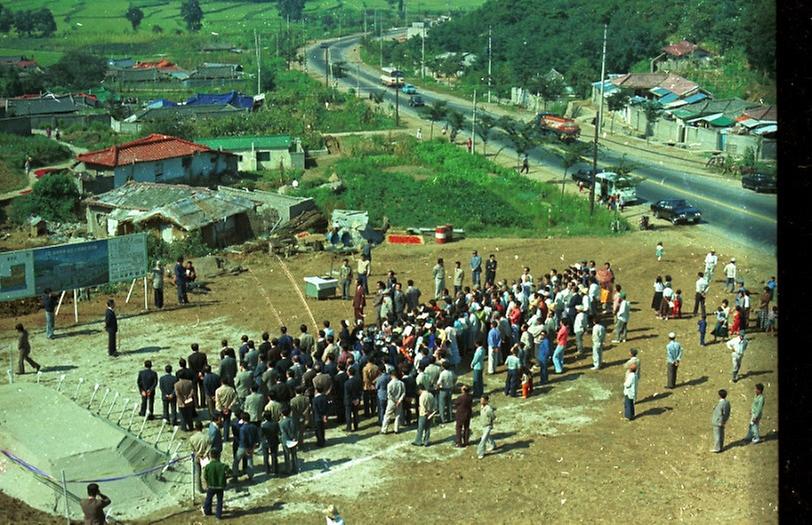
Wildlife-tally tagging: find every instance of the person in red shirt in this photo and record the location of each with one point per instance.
(561, 344)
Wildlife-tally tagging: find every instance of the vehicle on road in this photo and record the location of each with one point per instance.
(408, 89)
(416, 101)
(676, 210)
(585, 175)
(759, 182)
(566, 129)
(608, 183)
(391, 77)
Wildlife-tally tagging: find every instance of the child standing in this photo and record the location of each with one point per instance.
(772, 317)
(702, 325)
(676, 309)
(659, 251)
(527, 383)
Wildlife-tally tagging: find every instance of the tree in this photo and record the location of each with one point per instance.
(436, 111)
(6, 19)
(168, 125)
(78, 69)
(134, 15)
(157, 29)
(580, 76)
(54, 197)
(653, 112)
(485, 123)
(291, 9)
(573, 151)
(615, 102)
(550, 87)
(523, 136)
(24, 22)
(192, 14)
(43, 22)
(456, 121)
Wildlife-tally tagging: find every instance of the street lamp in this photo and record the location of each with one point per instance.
(325, 46)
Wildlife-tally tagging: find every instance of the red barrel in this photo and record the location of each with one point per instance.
(449, 233)
(440, 235)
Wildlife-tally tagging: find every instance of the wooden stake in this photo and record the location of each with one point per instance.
(59, 304)
(132, 285)
(146, 295)
(65, 495)
(75, 305)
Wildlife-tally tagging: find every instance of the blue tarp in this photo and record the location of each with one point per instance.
(161, 103)
(231, 98)
(670, 97)
(696, 97)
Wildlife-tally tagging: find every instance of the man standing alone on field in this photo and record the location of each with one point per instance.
(158, 284)
(486, 417)
(345, 276)
(711, 260)
(630, 391)
(721, 413)
(439, 278)
(756, 411)
(476, 268)
(673, 356)
(701, 292)
(490, 269)
(111, 327)
(49, 304)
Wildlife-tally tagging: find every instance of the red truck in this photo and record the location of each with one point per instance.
(566, 129)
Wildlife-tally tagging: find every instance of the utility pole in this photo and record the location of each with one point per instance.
(365, 22)
(423, 51)
(257, 40)
(326, 67)
(358, 79)
(473, 127)
(397, 103)
(380, 29)
(304, 43)
(598, 125)
(489, 64)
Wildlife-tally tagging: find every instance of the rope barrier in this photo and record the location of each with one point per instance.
(39, 472)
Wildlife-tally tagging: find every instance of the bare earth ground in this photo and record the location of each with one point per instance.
(565, 454)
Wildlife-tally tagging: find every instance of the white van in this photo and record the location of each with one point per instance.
(610, 183)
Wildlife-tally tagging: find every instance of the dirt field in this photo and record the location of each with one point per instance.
(566, 453)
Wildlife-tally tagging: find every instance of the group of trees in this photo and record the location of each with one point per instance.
(528, 39)
(27, 22)
(75, 70)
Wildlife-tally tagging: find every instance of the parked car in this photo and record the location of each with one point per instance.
(759, 182)
(585, 175)
(416, 101)
(409, 89)
(676, 211)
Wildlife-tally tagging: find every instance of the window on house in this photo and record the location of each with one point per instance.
(263, 156)
(159, 171)
(186, 162)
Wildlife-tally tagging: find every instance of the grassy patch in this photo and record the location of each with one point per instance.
(422, 184)
(11, 178)
(13, 151)
(96, 136)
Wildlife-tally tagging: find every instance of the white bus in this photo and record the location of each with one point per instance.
(391, 77)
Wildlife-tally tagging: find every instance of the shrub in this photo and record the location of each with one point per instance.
(55, 197)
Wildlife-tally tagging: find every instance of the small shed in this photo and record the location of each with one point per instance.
(37, 226)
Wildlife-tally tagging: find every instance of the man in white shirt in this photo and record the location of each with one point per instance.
(630, 391)
(730, 276)
(710, 265)
(598, 335)
(737, 345)
(622, 320)
(579, 328)
(701, 292)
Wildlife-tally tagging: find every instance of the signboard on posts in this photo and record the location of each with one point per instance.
(27, 273)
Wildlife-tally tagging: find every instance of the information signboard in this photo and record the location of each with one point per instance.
(27, 273)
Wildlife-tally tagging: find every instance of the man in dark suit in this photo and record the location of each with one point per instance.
(352, 399)
(185, 401)
(320, 410)
(288, 435)
(147, 383)
(211, 382)
(197, 363)
(463, 408)
(338, 394)
(167, 386)
(228, 365)
(111, 326)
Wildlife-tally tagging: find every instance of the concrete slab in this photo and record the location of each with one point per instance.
(53, 433)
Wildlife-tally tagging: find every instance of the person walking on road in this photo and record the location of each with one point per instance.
(427, 408)
(673, 356)
(525, 164)
(721, 413)
(111, 327)
(24, 350)
(395, 392)
(487, 416)
(756, 411)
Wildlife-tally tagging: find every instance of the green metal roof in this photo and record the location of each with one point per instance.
(684, 114)
(277, 142)
(722, 122)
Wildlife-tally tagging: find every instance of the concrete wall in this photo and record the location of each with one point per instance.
(201, 170)
(119, 126)
(701, 138)
(249, 160)
(63, 121)
(16, 125)
(286, 206)
(765, 149)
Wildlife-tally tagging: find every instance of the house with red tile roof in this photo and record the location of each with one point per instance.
(156, 158)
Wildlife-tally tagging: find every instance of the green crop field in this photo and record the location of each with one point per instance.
(101, 26)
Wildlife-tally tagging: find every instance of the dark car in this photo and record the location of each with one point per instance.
(676, 211)
(759, 182)
(416, 101)
(585, 175)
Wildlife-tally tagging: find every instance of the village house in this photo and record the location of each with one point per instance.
(677, 57)
(261, 152)
(171, 212)
(156, 158)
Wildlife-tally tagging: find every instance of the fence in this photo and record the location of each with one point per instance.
(141, 442)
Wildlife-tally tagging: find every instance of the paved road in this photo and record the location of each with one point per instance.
(727, 209)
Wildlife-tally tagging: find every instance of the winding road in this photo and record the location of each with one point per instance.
(727, 209)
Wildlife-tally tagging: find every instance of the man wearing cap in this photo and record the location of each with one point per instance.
(630, 391)
(673, 356)
(621, 320)
(730, 276)
(737, 345)
(721, 413)
(476, 268)
(633, 360)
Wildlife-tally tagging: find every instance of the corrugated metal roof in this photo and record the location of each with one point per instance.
(764, 130)
(696, 97)
(670, 97)
(721, 122)
(659, 91)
